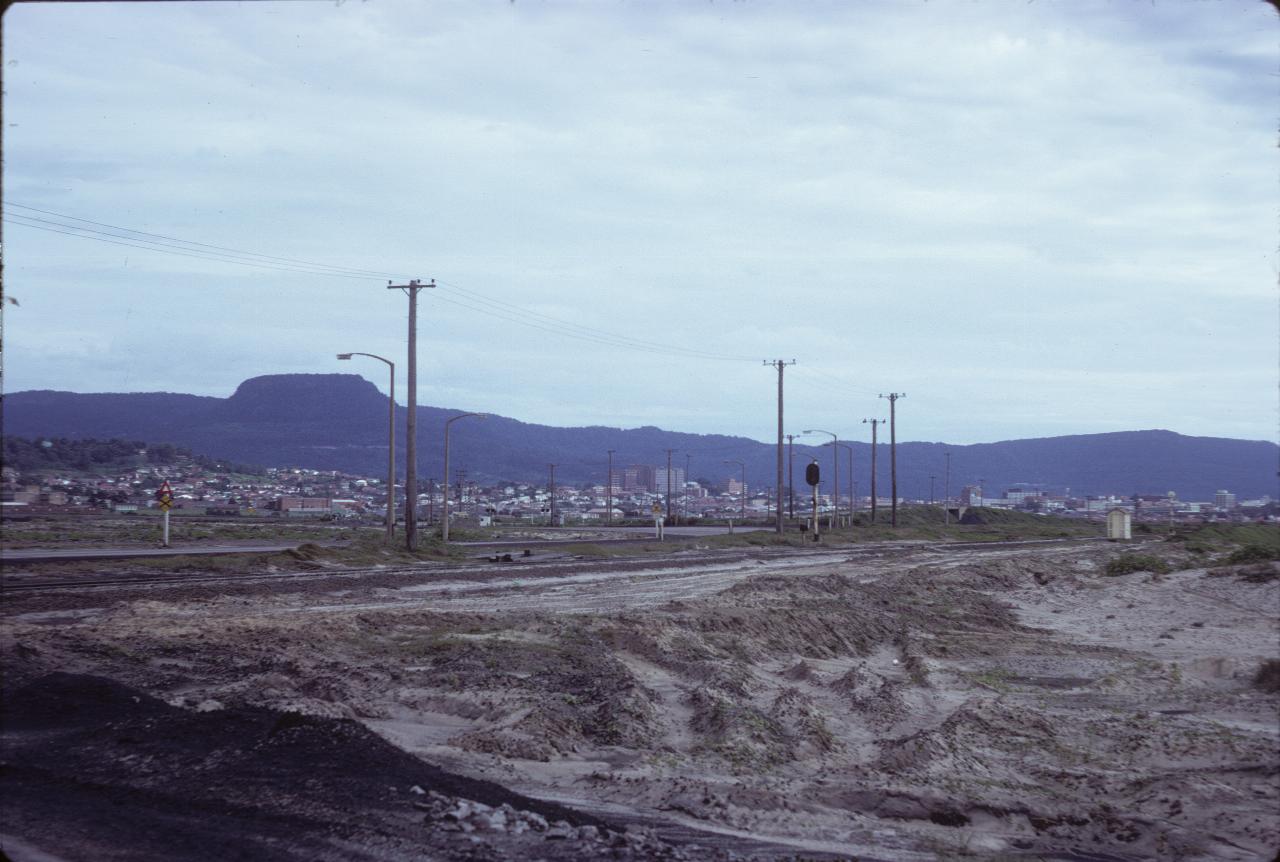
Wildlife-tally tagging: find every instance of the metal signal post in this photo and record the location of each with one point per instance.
(812, 475)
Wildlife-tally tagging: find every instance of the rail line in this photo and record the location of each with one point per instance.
(478, 571)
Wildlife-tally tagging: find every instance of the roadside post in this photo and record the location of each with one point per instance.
(164, 499)
(657, 521)
(812, 476)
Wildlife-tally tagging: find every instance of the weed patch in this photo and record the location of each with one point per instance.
(1128, 563)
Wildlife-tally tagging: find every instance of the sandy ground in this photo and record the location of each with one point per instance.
(895, 702)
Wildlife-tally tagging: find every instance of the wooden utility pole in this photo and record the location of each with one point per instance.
(608, 509)
(893, 453)
(669, 451)
(411, 422)
(779, 364)
(553, 494)
(791, 476)
(684, 492)
(873, 423)
(946, 492)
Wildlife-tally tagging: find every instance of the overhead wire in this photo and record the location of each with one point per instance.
(192, 253)
(75, 226)
(591, 333)
(164, 241)
(819, 379)
(511, 317)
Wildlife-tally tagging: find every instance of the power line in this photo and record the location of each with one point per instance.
(146, 236)
(832, 381)
(191, 253)
(586, 331)
(465, 298)
(600, 337)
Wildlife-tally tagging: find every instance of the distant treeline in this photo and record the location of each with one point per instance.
(29, 456)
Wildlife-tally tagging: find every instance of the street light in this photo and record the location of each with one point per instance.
(853, 502)
(391, 444)
(835, 474)
(444, 533)
(744, 487)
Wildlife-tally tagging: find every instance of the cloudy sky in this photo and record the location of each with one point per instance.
(1032, 218)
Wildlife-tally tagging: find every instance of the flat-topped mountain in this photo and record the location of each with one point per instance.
(338, 422)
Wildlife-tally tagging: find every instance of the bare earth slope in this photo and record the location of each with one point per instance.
(899, 702)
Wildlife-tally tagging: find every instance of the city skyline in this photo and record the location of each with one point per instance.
(1036, 220)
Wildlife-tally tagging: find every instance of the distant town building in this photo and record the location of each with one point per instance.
(660, 480)
(301, 505)
(637, 477)
(1224, 500)
(971, 496)
(1019, 494)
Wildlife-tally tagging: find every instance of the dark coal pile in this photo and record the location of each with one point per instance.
(93, 769)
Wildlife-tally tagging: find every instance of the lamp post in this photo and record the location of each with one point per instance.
(391, 444)
(835, 474)
(444, 530)
(744, 487)
(852, 502)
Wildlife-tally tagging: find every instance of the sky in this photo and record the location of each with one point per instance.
(1033, 219)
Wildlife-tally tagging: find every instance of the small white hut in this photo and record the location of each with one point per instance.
(1119, 525)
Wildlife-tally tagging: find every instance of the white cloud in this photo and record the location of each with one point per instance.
(875, 190)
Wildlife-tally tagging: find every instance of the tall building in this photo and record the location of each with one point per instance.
(637, 477)
(1224, 500)
(660, 480)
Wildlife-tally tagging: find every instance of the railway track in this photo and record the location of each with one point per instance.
(532, 568)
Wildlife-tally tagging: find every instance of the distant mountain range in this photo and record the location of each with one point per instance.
(339, 422)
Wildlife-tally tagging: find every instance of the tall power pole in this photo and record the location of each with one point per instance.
(553, 493)
(669, 451)
(946, 492)
(608, 509)
(411, 421)
(791, 476)
(893, 452)
(931, 478)
(779, 364)
(873, 423)
(684, 492)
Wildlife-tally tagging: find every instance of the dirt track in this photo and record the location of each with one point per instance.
(905, 702)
